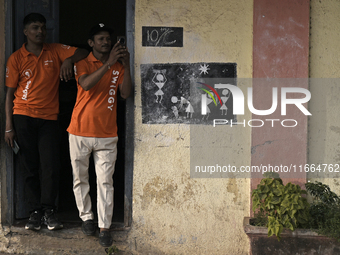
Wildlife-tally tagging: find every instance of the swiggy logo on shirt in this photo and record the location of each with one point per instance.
(25, 91)
(7, 71)
(112, 91)
(48, 61)
(27, 74)
(64, 46)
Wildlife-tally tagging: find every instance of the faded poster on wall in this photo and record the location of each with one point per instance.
(191, 93)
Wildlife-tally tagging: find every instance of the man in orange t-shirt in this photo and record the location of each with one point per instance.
(93, 127)
(32, 106)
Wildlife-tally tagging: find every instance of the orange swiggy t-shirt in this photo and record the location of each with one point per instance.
(36, 80)
(95, 111)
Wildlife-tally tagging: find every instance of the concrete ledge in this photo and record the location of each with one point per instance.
(255, 230)
(298, 242)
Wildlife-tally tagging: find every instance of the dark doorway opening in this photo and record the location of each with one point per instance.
(77, 17)
(75, 20)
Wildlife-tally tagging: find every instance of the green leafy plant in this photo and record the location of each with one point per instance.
(322, 193)
(325, 210)
(111, 250)
(282, 205)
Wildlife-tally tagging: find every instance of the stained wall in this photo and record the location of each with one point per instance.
(324, 62)
(171, 211)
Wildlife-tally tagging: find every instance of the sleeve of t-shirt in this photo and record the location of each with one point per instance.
(63, 51)
(12, 72)
(80, 68)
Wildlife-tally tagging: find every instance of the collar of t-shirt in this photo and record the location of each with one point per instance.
(92, 58)
(25, 52)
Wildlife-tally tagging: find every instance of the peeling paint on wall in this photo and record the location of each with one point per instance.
(160, 191)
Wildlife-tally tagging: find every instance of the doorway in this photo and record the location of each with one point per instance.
(74, 19)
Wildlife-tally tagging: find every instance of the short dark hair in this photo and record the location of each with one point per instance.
(34, 17)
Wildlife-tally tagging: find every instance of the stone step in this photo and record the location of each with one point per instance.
(67, 241)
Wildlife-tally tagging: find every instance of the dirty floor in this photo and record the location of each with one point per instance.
(67, 241)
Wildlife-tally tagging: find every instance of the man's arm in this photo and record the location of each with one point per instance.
(66, 68)
(9, 131)
(88, 81)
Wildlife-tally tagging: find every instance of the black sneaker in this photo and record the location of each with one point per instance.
(88, 228)
(51, 220)
(105, 238)
(34, 222)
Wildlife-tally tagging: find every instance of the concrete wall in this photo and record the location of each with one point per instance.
(324, 124)
(171, 212)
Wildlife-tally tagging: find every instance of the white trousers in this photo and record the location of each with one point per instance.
(104, 152)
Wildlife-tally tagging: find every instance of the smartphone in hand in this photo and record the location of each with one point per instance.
(16, 147)
(121, 40)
